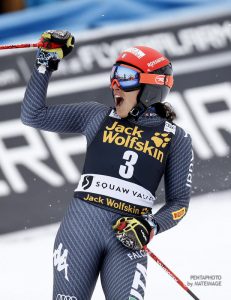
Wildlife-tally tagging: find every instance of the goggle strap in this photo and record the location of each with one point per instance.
(156, 79)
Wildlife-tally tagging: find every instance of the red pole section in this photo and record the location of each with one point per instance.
(170, 273)
(16, 46)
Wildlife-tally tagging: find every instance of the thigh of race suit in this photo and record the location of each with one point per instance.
(77, 252)
(123, 273)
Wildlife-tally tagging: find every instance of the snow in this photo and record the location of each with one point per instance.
(199, 245)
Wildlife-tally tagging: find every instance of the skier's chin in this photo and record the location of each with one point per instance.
(122, 112)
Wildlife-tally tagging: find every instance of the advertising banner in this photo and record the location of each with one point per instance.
(39, 170)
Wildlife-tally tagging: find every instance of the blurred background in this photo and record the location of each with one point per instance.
(40, 170)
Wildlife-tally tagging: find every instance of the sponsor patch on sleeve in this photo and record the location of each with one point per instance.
(178, 214)
(170, 127)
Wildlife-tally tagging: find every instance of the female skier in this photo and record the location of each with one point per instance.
(129, 148)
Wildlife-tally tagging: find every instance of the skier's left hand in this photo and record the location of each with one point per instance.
(133, 233)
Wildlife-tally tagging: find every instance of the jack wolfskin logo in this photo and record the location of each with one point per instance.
(161, 140)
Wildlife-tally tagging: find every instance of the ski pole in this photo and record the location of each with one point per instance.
(15, 46)
(160, 263)
(39, 44)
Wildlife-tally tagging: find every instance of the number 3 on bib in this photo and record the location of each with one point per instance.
(127, 170)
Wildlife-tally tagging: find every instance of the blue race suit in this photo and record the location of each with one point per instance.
(124, 164)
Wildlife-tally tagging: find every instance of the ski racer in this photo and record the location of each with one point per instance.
(130, 147)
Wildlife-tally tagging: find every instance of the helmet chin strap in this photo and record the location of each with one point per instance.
(139, 108)
(137, 111)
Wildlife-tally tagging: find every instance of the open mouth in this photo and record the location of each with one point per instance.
(118, 100)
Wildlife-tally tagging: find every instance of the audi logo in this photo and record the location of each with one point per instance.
(65, 297)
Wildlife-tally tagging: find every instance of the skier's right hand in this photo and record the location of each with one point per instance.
(55, 45)
(60, 42)
(133, 232)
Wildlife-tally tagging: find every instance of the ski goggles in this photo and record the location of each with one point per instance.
(129, 78)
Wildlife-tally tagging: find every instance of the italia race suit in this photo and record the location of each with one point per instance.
(124, 164)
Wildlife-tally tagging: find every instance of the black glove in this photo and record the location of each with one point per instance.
(56, 44)
(133, 233)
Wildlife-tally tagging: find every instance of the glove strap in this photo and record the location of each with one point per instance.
(47, 61)
(151, 221)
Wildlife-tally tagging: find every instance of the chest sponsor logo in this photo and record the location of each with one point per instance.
(99, 185)
(116, 204)
(114, 188)
(132, 138)
(87, 182)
